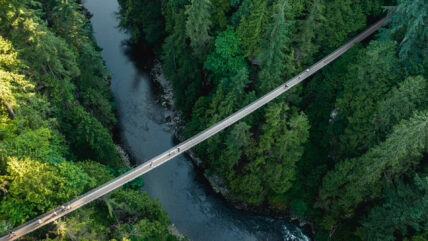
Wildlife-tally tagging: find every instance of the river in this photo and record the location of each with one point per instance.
(193, 208)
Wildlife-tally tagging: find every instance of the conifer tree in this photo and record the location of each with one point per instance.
(226, 59)
(219, 14)
(400, 103)
(358, 180)
(369, 80)
(276, 57)
(252, 28)
(404, 210)
(342, 17)
(198, 24)
(309, 27)
(409, 20)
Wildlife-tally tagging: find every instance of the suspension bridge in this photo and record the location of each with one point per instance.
(157, 161)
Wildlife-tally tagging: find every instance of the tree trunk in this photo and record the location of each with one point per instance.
(9, 109)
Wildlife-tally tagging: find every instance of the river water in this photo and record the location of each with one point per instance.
(192, 207)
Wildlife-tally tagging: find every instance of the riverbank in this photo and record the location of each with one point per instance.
(174, 121)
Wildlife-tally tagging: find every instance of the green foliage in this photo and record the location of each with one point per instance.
(178, 62)
(56, 106)
(399, 104)
(143, 19)
(359, 128)
(298, 207)
(408, 22)
(252, 28)
(97, 171)
(368, 81)
(93, 85)
(248, 187)
(53, 62)
(83, 224)
(219, 13)
(358, 180)
(276, 56)
(147, 230)
(198, 24)
(35, 144)
(306, 38)
(136, 217)
(236, 140)
(280, 146)
(404, 210)
(138, 205)
(226, 60)
(34, 187)
(273, 159)
(89, 138)
(342, 17)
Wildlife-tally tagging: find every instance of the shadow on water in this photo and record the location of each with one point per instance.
(143, 57)
(140, 53)
(183, 192)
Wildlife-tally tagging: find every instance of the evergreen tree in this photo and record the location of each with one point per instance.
(354, 106)
(248, 187)
(179, 64)
(275, 56)
(226, 59)
(89, 139)
(252, 29)
(404, 210)
(305, 39)
(273, 160)
(219, 14)
(368, 81)
(281, 147)
(358, 180)
(400, 103)
(198, 24)
(235, 142)
(53, 85)
(408, 21)
(342, 17)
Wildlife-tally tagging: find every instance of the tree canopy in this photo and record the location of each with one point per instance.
(345, 150)
(56, 118)
(333, 149)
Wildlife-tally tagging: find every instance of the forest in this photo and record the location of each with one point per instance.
(348, 149)
(56, 118)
